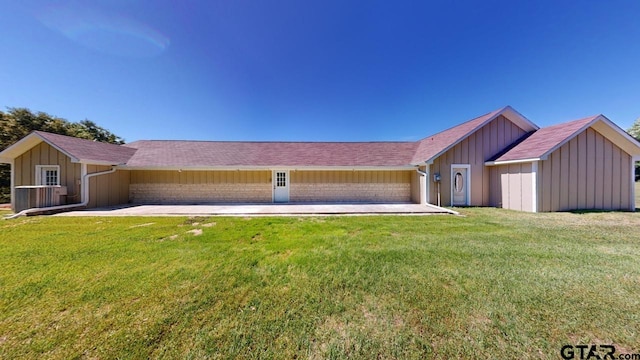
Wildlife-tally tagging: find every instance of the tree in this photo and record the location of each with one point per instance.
(17, 123)
(634, 131)
(87, 129)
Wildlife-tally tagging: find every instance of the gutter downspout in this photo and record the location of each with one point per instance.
(84, 197)
(426, 177)
(12, 193)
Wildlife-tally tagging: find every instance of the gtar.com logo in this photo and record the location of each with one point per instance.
(594, 352)
(588, 352)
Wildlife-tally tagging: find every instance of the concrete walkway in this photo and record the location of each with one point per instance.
(263, 210)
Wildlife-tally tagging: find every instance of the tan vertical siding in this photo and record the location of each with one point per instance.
(545, 179)
(599, 166)
(109, 189)
(199, 177)
(44, 154)
(626, 202)
(516, 186)
(415, 187)
(475, 150)
(526, 181)
(608, 180)
(592, 160)
(616, 157)
(565, 171)
(555, 180)
(572, 189)
(581, 163)
(500, 173)
(104, 190)
(588, 172)
(495, 187)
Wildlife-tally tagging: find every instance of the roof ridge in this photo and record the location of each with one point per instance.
(281, 142)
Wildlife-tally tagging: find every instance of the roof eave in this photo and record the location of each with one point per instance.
(630, 145)
(28, 142)
(520, 120)
(568, 138)
(99, 162)
(608, 129)
(22, 145)
(268, 167)
(515, 161)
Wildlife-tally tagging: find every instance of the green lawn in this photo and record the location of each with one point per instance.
(491, 284)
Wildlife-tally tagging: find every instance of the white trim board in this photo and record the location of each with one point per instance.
(534, 186)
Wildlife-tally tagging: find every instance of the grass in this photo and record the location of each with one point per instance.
(491, 284)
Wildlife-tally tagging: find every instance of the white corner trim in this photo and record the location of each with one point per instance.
(534, 186)
(12, 172)
(632, 193)
(427, 195)
(468, 179)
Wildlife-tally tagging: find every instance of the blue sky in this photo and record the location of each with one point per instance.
(317, 70)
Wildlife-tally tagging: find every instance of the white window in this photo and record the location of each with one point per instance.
(281, 179)
(48, 175)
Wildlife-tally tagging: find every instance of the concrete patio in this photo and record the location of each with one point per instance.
(263, 210)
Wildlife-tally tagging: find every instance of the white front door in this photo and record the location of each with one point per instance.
(280, 186)
(460, 185)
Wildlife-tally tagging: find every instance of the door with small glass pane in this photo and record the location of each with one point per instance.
(459, 185)
(280, 186)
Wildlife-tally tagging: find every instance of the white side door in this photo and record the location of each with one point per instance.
(460, 185)
(280, 186)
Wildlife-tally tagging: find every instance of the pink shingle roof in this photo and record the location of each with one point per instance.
(545, 140)
(432, 146)
(87, 150)
(156, 153)
(204, 154)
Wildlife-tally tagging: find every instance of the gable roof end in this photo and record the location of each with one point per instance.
(543, 142)
(433, 146)
(78, 150)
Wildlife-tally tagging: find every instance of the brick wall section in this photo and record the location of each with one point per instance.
(350, 192)
(199, 193)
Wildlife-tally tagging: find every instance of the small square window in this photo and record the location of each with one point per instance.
(48, 175)
(281, 179)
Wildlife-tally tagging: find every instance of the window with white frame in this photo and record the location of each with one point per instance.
(48, 175)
